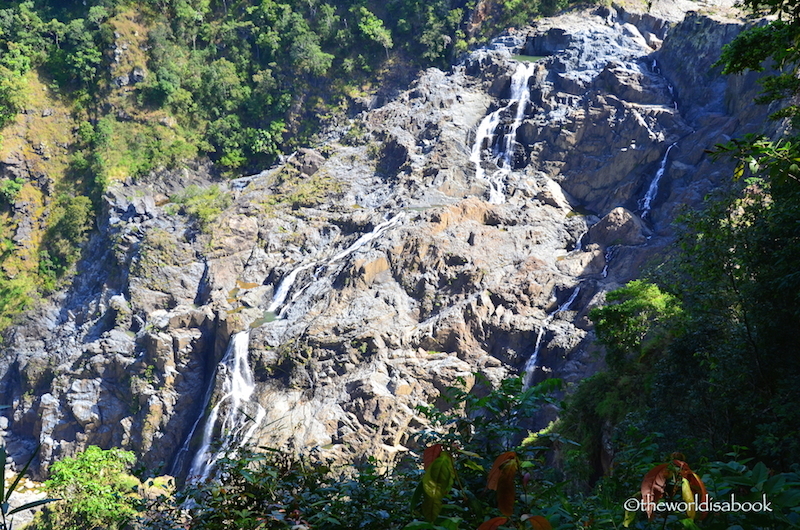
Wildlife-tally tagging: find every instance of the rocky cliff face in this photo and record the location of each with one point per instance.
(377, 269)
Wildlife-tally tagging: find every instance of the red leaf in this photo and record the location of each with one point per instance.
(430, 454)
(683, 467)
(506, 491)
(494, 474)
(653, 487)
(493, 524)
(539, 523)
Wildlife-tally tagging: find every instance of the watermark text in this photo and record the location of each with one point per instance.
(707, 505)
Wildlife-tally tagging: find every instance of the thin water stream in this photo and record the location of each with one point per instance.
(533, 360)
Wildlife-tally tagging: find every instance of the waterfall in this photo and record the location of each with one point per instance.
(366, 238)
(489, 129)
(579, 240)
(609, 255)
(652, 191)
(285, 286)
(530, 366)
(229, 416)
(288, 282)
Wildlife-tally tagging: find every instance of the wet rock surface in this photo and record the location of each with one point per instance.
(373, 271)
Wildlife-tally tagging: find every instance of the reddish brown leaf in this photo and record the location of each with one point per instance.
(539, 523)
(678, 456)
(493, 524)
(683, 467)
(430, 454)
(506, 490)
(653, 487)
(494, 474)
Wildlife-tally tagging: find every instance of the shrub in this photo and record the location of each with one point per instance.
(97, 488)
(203, 204)
(10, 188)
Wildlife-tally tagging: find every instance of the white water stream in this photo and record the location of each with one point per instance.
(609, 255)
(228, 419)
(287, 283)
(647, 201)
(489, 129)
(579, 241)
(530, 366)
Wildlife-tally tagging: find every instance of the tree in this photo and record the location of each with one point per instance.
(641, 317)
(372, 28)
(12, 94)
(97, 486)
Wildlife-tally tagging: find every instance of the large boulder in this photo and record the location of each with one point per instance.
(619, 227)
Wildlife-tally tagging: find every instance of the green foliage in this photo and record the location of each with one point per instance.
(372, 28)
(775, 41)
(70, 221)
(203, 204)
(97, 488)
(277, 490)
(634, 322)
(12, 88)
(10, 188)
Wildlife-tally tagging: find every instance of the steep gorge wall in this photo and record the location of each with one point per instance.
(405, 276)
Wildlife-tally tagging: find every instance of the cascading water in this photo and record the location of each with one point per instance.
(287, 283)
(579, 240)
(285, 286)
(503, 150)
(530, 366)
(647, 201)
(366, 238)
(229, 416)
(609, 255)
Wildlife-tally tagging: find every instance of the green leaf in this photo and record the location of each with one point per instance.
(760, 473)
(688, 523)
(436, 483)
(415, 498)
(629, 518)
(418, 525)
(474, 466)
(33, 504)
(21, 473)
(3, 457)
